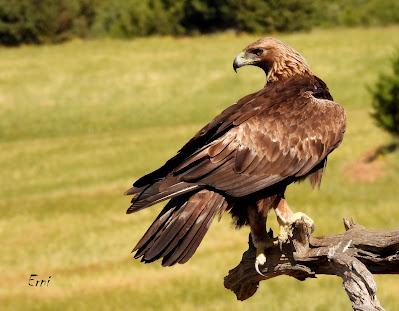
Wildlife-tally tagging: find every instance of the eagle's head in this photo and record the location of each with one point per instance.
(276, 58)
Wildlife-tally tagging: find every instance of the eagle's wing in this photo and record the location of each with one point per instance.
(230, 117)
(262, 149)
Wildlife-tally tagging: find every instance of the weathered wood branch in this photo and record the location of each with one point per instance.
(354, 256)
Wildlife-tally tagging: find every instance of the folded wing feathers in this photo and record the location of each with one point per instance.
(154, 194)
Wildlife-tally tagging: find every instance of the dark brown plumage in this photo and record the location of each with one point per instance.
(246, 156)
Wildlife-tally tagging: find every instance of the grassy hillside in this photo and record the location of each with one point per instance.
(81, 121)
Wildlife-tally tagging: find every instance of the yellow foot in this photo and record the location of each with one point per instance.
(287, 219)
(301, 216)
(287, 226)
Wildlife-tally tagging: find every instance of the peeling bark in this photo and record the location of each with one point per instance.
(354, 255)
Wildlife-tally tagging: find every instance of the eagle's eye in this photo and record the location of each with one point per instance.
(257, 51)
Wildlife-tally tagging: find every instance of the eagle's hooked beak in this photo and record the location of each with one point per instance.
(243, 59)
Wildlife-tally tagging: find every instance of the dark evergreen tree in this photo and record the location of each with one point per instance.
(386, 100)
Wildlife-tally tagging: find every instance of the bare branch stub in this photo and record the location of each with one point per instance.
(353, 255)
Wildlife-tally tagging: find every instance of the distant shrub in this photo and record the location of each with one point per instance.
(386, 100)
(204, 16)
(133, 18)
(272, 15)
(38, 21)
(356, 12)
(260, 16)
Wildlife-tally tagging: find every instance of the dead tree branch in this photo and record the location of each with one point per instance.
(354, 256)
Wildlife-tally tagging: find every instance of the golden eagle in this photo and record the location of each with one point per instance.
(244, 159)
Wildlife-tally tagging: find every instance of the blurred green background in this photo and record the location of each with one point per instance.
(41, 21)
(81, 120)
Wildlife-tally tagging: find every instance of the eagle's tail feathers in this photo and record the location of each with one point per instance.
(195, 241)
(179, 229)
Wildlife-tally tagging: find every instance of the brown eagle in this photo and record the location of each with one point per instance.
(244, 159)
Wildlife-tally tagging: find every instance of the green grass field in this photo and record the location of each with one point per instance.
(80, 121)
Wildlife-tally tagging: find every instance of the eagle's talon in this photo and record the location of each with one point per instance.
(260, 261)
(260, 252)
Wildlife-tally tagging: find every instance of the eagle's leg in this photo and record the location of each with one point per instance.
(286, 219)
(257, 216)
